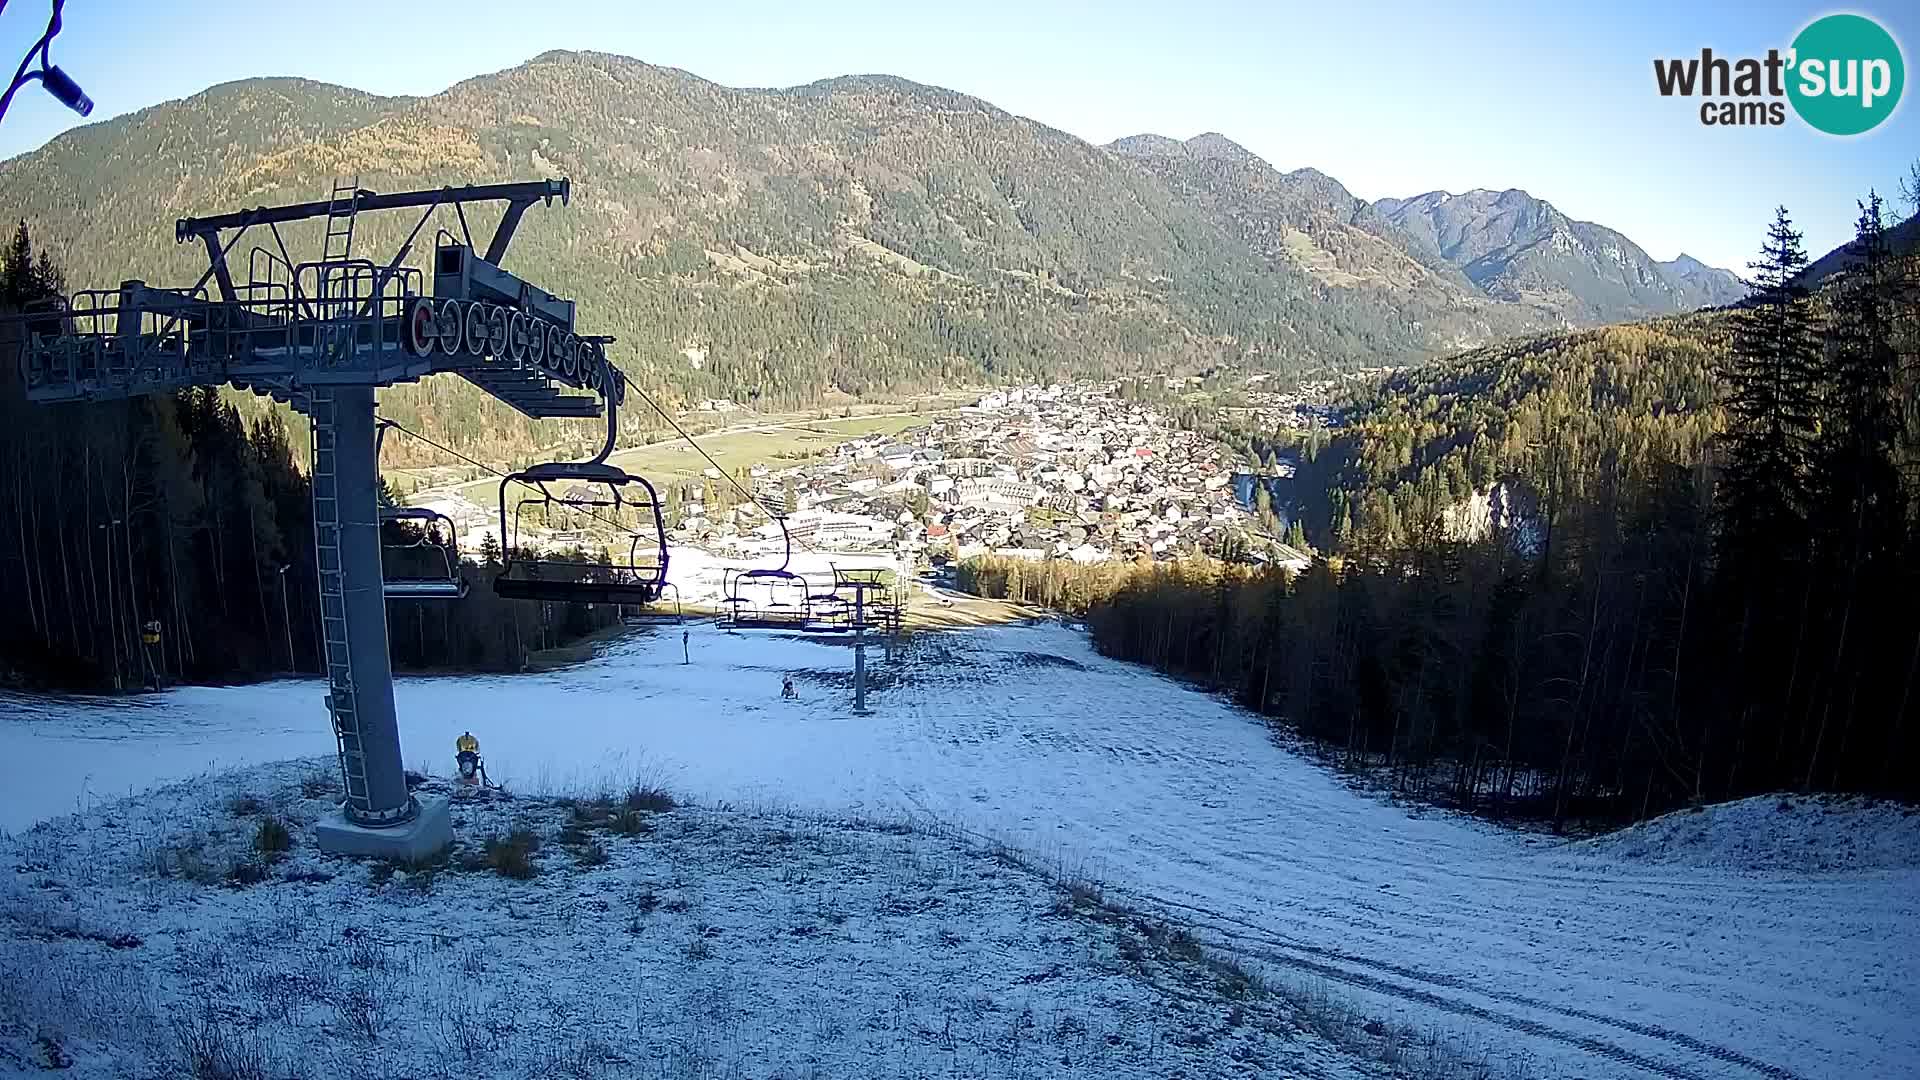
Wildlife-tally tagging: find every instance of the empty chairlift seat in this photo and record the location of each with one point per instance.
(580, 497)
(767, 598)
(419, 555)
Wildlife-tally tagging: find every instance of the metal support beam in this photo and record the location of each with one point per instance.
(497, 247)
(383, 800)
(217, 262)
(522, 195)
(325, 353)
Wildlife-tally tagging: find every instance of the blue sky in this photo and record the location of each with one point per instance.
(1391, 98)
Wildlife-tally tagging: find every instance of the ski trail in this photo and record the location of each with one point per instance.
(1180, 802)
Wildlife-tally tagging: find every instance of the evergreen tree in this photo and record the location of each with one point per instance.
(19, 284)
(489, 550)
(1859, 512)
(1770, 399)
(1860, 506)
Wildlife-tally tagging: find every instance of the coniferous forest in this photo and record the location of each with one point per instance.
(1694, 573)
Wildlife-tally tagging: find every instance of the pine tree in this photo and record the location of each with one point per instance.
(1858, 506)
(19, 284)
(489, 550)
(1859, 497)
(1771, 404)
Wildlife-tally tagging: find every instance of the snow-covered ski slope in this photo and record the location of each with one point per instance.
(1595, 960)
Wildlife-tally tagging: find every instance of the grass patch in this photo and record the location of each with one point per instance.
(246, 872)
(512, 855)
(630, 823)
(587, 813)
(271, 838)
(421, 874)
(186, 861)
(209, 1048)
(52, 1054)
(246, 806)
(650, 798)
(623, 815)
(316, 785)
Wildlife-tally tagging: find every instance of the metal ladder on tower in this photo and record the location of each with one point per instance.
(341, 209)
(336, 283)
(333, 601)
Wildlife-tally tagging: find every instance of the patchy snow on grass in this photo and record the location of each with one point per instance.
(1772, 834)
(1581, 962)
(169, 935)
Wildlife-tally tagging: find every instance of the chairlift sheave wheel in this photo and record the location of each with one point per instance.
(570, 356)
(517, 337)
(593, 368)
(536, 342)
(476, 329)
(452, 321)
(496, 331)
(423, 326)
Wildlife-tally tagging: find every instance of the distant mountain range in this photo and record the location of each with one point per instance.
(861, 234)
(1521, 249)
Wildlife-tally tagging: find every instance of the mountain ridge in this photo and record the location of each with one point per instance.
(1309, 220)
(859, 235)
(1519, 247)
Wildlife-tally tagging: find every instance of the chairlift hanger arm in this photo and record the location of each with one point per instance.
(517, 197)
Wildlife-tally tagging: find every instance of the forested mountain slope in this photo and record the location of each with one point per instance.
(1594, 411)
(1306, 221)
(1610, 405)
(857, 236)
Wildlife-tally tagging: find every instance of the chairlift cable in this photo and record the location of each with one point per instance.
(404, 430)
(751, 497)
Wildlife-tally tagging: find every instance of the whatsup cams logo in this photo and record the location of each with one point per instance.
(1842, 75)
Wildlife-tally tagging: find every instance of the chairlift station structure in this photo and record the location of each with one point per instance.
(322, 335)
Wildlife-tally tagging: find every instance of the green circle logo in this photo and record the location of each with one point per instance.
(1846, 74)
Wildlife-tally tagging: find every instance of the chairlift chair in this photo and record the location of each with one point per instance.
(657, 611)
(426, 568)
(830, 614)
(787, 605)
(858, 614)
(528, 574)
